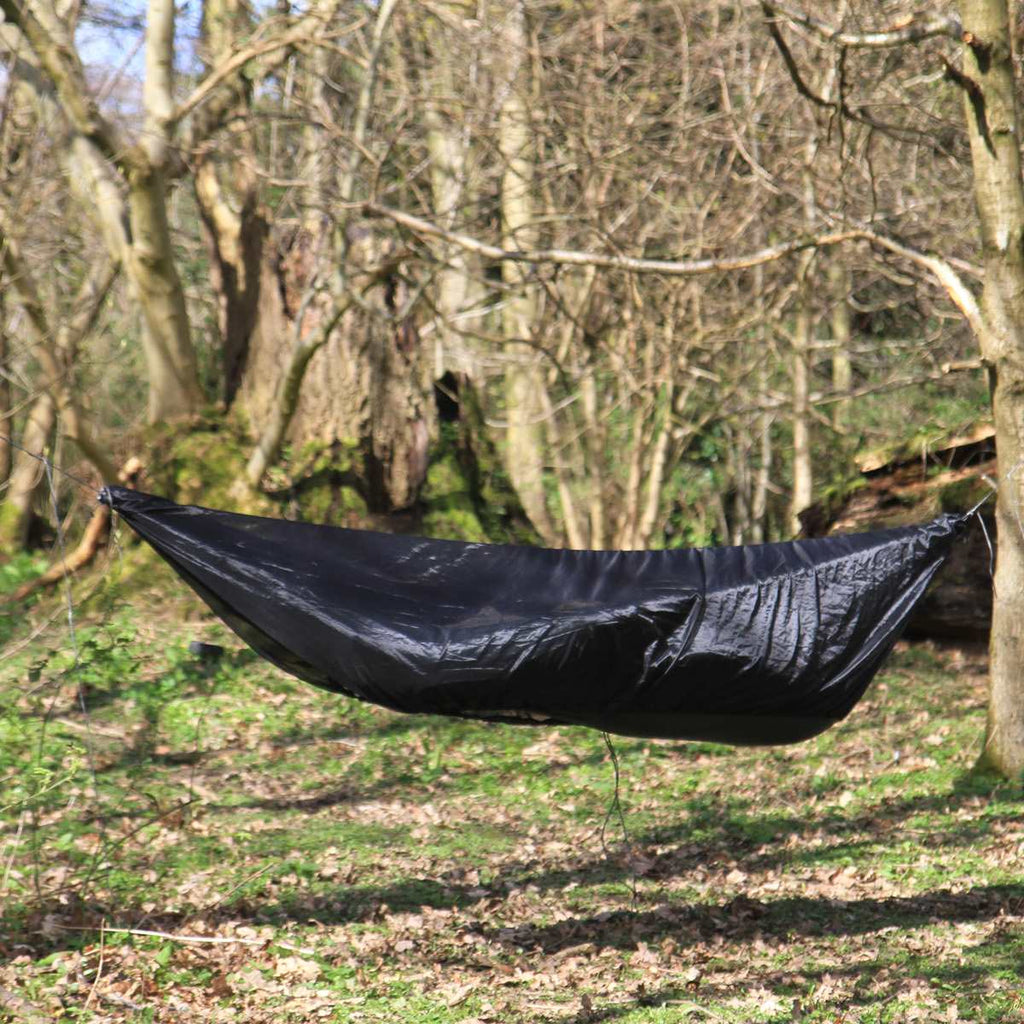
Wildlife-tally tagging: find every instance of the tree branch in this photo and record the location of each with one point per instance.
(911, 30)
(955, 287)
(158, 86)
(302, 32)
(55, 350)
(837, 106)
(346, 187)
(59, 60)
(631, 264)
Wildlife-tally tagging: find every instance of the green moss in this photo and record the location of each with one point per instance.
(324, 500)
(317, 457)
(467, 495)
(450, 506)
(494, 499)
(204, 466)
(8, 526)
(323, 483)
(963, 494)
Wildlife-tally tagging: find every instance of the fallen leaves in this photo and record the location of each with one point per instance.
(342, 879)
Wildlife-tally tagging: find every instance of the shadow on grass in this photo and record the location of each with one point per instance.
(600, 1014)
(740, 919)
(786, 919)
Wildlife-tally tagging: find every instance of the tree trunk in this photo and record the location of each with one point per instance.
(6, 415)
(803, 473)
(574, 532)
(167, 338)
(993, 126)
(593, 440)
(349, 374)
(235, 240)
(137, 232)
(524, 450)
(458, 289)
(842, 367)
(27, 476)
(655, 469)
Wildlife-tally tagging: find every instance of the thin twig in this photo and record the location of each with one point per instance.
(205, 940)
(99, 966)
(245, 881)
(615, 808)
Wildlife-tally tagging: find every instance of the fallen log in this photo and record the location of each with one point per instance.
(912, 487)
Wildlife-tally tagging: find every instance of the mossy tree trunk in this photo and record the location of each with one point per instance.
(322, 367)
(993, 124)
(6, 414)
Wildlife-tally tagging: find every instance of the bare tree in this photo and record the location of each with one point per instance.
(125, 180)
(986, 78)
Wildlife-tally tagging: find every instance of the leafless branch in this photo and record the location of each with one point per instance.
(911, 30)
(303, 32)
(631, 264)
(838, 106)
(941, 270)
(60, 61)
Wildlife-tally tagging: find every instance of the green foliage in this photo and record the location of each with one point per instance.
(867, 872)
(203, 466)
(23, 566)
(451, 508)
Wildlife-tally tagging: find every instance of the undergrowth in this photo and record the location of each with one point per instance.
(204, 838)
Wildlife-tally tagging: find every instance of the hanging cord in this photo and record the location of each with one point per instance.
(615, 810)
(976, 511)
(72, 671)
(62, 548)
(50, 468)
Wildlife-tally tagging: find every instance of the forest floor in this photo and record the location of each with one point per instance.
(186, 840)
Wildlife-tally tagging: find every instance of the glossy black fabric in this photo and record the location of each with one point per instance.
(764, 644)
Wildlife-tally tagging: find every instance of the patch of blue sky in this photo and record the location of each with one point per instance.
(111, 44)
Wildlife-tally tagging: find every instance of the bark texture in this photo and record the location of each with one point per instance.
(990, 108)
(525, 406)
(803, 472)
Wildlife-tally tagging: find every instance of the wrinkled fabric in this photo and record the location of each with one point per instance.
(762, 644)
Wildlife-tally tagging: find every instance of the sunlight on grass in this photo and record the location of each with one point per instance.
(370, 867)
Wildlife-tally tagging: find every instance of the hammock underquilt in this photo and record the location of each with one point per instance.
(762, 644)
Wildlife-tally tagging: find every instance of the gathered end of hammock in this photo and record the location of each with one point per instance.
(763, 644)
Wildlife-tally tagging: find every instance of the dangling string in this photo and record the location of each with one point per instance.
(973, 511)
(62, 548)
(49, 467)
(615, 809)
(991, 549)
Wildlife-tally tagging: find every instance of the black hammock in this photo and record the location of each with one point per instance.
(751, 645)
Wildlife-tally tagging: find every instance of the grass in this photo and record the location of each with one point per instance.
(368, 867)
